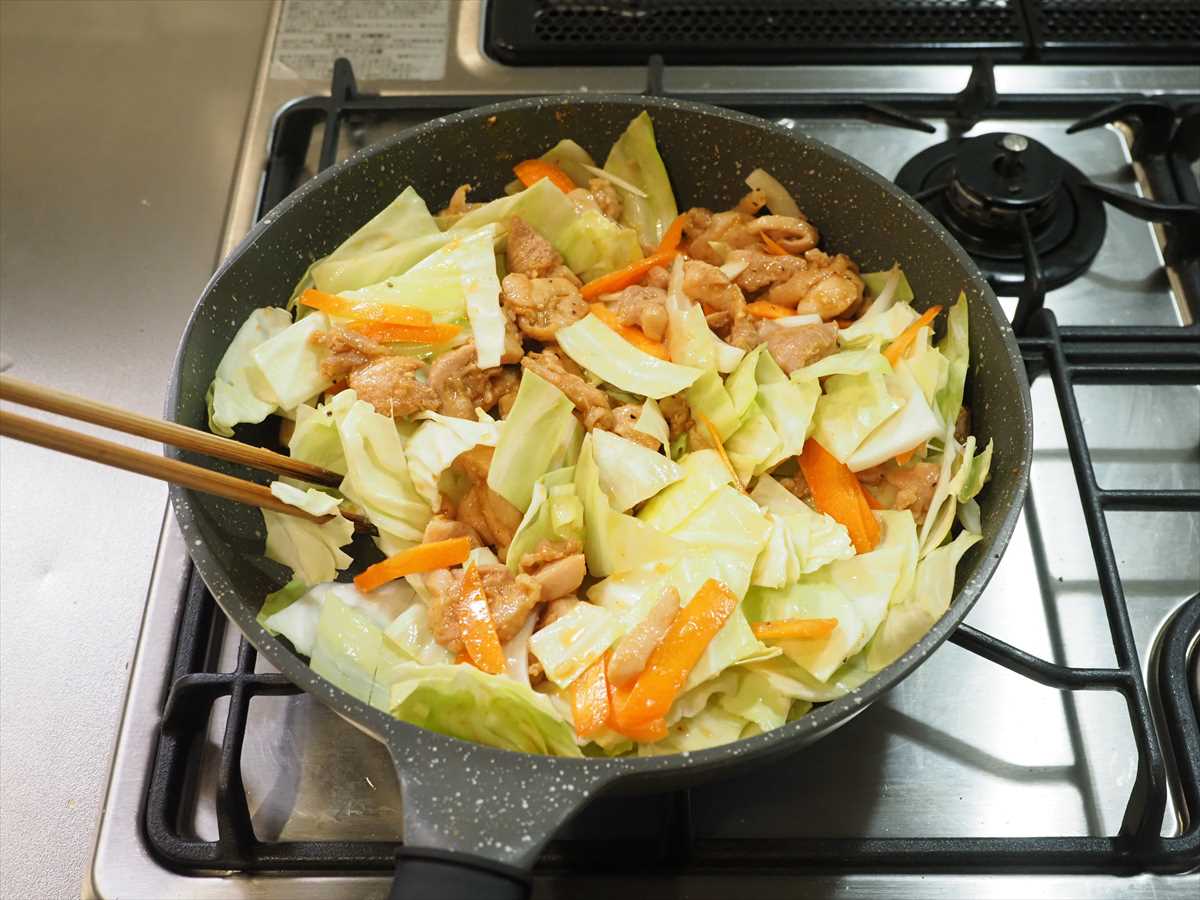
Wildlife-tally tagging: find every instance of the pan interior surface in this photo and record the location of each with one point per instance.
(708, 153)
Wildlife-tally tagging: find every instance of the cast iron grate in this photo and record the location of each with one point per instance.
(1068, 356)
(625, 32)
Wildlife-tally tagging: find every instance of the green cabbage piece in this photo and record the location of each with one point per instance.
(437, 442)
(309, 549)
(910, 426)
(755, 447)
(788, 405)
(463, 702)
(295, 610)
(850, 409)
(881, 328)
(876, 281)
(956, 348)
(929, 368)
(537, 426)
(711, 727)
(976, 473)
(801, 540)
(377, 475)
(315, 438)
(707, 397)
(410, 633)
(569, 157)
(291, 364)
(613, 541)
(867, 361)
(575, 640)
(651, 422)
(629, 472)
(555, 513)
(756, 700)
(635, 159)
(599, 349)
(348, 651)
(955, 466)
(909, 621)
(239, 392)
(703, 473)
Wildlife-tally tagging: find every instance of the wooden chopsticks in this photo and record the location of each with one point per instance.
(197, 478)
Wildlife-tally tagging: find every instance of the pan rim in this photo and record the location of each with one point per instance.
(402, 737)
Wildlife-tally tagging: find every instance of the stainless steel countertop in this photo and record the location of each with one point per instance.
(119, 130)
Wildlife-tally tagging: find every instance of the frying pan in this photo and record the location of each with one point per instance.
(475, 817)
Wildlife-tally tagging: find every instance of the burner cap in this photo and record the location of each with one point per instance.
(1007, 171)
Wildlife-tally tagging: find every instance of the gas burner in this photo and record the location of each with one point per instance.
(989, 190)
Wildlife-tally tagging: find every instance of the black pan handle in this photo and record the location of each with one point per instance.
(425, 872)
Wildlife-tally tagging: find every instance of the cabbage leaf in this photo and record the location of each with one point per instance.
(315, 438)
(239, 392)
(635, 159)
(437, 442)
(955, 347)
(555, 513)
(629, 472)
(538, 425)
(599, 349)
(291, 363)
(575, 640)
(850, 409)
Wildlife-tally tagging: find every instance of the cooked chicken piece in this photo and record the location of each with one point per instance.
(657, 277)
(792, 234)
(644, 307)
(548, 552)
(492, 517)
(678, 414)
(556, 609)
(914, 486)
(444, 589)
(506, 383)
(962, 424)
(625, 418)
(458, 201)
(606, 197)
(752, 202)
(801, 345)
(347, 351)
(541, 306)
(748, 331)
(592, 402)
(441, 528)
(707, 284)
(828, 286)
(764, 269)
(390, 385)
(528, 252)
(510, 599)
(798, 486)
(461, 385)
(561, 577)
(632, 651)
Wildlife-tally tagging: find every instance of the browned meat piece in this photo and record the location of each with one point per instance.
(458, 205)
(702, 227)
(556, 609)
(506, 384)
(625, 418)
(792, 234)
(962, 424)
(390, 385)
(592, 402)
(645, 307)
(461, 385)
(914, 486)
(748, 331)
(606, 197)
(764, 269)
(707, 284)
(752, 202)
(548, 552)
(347, 351)
(444, 588)
(800, 345)
(677, 413)
(558, 566)
(828, 286)
(510, 599)
(492, 517)
(657, 277)
(797, 486)
(632, 651)
(528, 252)
(541, 306)
(441, 528)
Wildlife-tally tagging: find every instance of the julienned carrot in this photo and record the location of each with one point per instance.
(589, 699)
(765, 309)
(635, 336)
(715, 437)
(772, 246)
(362, 310)
(673, 235)
(386, 333)
(475, 625)
(793, 629)
(622, 278)
(532, 171)
(654, 730)
(680, 649)
(903, 341)
(421, 558)
(837, 493)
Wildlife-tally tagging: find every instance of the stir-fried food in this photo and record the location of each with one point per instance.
(641, 480)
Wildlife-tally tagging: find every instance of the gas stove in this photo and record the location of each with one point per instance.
(1052, 749)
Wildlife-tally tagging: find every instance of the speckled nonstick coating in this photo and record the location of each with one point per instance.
(505, 805)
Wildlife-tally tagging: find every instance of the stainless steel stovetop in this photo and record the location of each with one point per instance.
(962, 748)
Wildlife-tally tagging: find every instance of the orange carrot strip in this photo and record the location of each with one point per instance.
(904, 340)
(362, 310)
(680, 649)
(772, 247)
(715, 437)
(421, 558)
(635, 336)
(478, 632)
(463, 657)
(794, 629)
(765, 309)
(904, 458)
(654, 730)
(589, 698)
(622, 278)
(673, 235)
(386, 333)
(837, 493)
(534, 170)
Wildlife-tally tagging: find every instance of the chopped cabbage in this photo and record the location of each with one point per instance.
(575, 640)
(294, 610)
(976, 474)
(651, 422)
(868, 361)
(629, 472)
(787, 404)
(348, 651)
(569, 157)
(755, 446)
(850, 409)
(291, 363)
(635, 159)
(599, 349)
(707, 397)
(883, 327)
(924, 364)
(463, 702)
(437, 442)
(801, 540)
(410, 633)
(910, 426)
(538, 425)
(239, 392)
(315, 438)
(309, 549)
(954, 346)
(555, 513)
(703, 473)
(886, 288)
